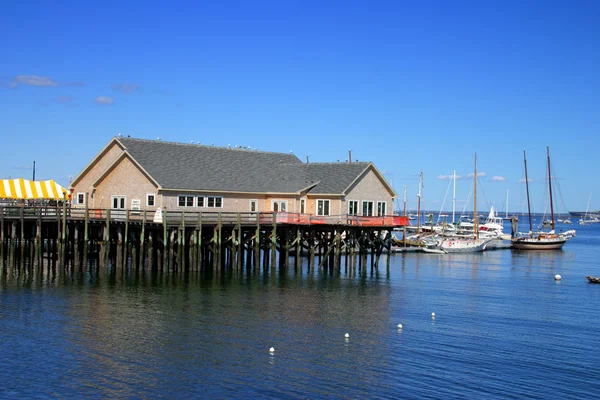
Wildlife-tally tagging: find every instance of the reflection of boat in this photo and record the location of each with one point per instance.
(592, 279)
(433, 250)
(540, 240)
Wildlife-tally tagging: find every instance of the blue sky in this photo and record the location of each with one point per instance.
(411, 86)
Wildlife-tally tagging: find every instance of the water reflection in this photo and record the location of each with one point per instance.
(104, 332)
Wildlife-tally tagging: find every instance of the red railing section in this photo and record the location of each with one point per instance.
(176, 217)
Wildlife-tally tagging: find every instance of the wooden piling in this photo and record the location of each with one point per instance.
(119, 260)
(183, 242)
(63, 236)
(240, 243)
(150, 255)
(106, 244)
(22, 239)
(142, 241)
(274, 240)
(165, 239)
(76, 247)
(38, 240)
(257, 244)
(126, 239)
(86, 230)
(13, 244)
(219, 240)
(200, 261)
(171, 263)
(2, 263)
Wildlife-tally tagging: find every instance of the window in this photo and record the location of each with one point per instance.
(322, 207)
(118, 202)
(279, 205)
(302, 206)
(214, 202)
(150, 200)
(253, 206)
(367, 208)
(353, 207)
(200, 201)
(381, 205)
(186, 201)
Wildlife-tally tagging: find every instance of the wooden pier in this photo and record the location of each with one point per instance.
(181, 241)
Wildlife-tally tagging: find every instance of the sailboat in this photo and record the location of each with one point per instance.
(540, 240)
(470, 244)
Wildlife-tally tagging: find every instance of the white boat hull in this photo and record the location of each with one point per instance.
(461, 245)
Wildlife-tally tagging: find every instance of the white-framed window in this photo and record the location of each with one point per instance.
(381, 208)
(200, 201)
(302, 206)
(322, 207)
(253, 206)
(279, 205)
(214, 202)
(352, 207)
(367, 208)
(150, 200)
(80, 198)
(185, 201)
(118, 202)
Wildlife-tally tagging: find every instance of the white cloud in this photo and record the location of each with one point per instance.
(126, 88)
(448, 177)
(34, 80)
(104, 100)
(498, 178)
(522, 180)
(479, 174)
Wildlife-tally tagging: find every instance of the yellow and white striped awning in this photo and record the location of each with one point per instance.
(25, 189)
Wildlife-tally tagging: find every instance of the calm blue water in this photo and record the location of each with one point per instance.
(503, 329)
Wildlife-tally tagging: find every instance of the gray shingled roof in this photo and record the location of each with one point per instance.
(333, 178)
(201, 167)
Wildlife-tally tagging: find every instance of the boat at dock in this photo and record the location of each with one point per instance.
(540, 240)
(462, 243)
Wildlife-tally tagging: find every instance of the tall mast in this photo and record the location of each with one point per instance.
(453, 196)
(475, 222)
(507, 203)
(527, 189)
(550, 187)
(419, 203)
(405, 200)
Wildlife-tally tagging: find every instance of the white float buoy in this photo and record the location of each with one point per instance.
(272, 350)
(432, 315)
(557, 277)
(399, 326)
(347, 335)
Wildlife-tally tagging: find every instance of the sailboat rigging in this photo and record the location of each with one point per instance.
(540, 240)
(457, 244)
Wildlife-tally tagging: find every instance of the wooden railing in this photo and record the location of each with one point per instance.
(189, 218)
